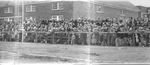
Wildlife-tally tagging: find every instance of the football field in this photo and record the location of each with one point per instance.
(58, 53)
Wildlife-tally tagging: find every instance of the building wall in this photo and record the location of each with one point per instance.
(15, 16)
(131, 14)
(44, 11)
(81, 9)
(72, 9)
(2, 14)
(114, 13)
(143, 11)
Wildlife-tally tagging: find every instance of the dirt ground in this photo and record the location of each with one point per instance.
(57, 53)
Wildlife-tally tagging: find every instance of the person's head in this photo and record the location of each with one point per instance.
(130, 18)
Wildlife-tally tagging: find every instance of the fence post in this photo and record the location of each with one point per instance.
(36, 37)
(68, 37)
(148, 38)
(53, 34)
(133, 40)
(108, 37)
(11, 36)
(22, 35)
(19, 36)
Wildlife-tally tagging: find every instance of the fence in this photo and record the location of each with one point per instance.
(38, 37)
(103, 38)
(9, 36)
(80, 38)
(85, 38)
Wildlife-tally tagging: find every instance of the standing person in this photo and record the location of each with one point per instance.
(5, 36)
(88, 40)
(15, 36)
(83, 37)
(117, 41)
(130, 41)
(93, 38)
(112, 38)
(137, 38)
(148, 43)
(73, 39)
(143, 41)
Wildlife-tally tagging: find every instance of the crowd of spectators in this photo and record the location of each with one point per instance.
(82, 25)
(8, 26)
(87, 25)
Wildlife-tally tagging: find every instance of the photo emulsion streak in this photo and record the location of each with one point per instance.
(74, 32)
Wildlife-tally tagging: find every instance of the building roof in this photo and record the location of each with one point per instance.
(114, 4)
(6, 3)
(119, 4)
(12, 3)
(143, 9)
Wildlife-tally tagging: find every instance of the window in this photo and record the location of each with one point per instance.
(30, 8)
(29, 18)
(122, 12)
(57, 17)
(100, 9)
(57, 6)
(8, 19)
(143, 15)
(149, 11)
(8, 10)
(54, 17)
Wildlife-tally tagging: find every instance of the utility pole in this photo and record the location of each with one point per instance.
(22, 22)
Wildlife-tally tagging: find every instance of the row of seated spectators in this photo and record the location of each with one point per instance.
(86, 25)
(9, 26)
(80, 25)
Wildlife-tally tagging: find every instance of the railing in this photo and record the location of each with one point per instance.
(80, 38)
(9, 36)
(104, 38)
(38, 37)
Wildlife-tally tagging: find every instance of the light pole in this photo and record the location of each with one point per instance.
(22, 22)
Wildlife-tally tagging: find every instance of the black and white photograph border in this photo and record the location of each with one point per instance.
(74, 32)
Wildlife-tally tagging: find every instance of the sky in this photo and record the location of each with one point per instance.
(135, 2)
(141, 2)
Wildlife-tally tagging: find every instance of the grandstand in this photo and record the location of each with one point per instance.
(76, 41)
(100, 32)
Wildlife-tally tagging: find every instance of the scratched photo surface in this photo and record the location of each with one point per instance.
(74, 32)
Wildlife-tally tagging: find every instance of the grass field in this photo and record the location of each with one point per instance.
(58, 53)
